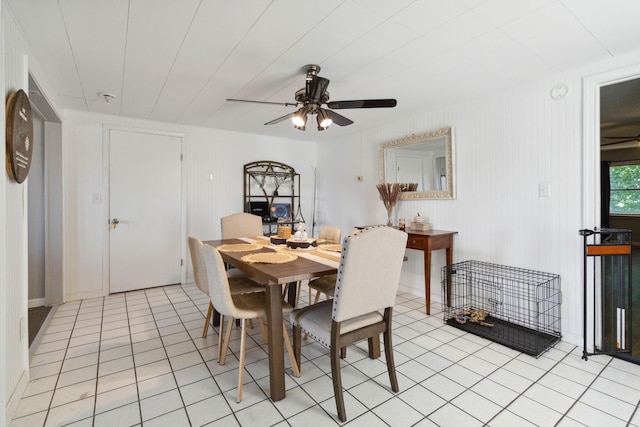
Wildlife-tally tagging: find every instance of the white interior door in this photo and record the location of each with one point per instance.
(145, 201)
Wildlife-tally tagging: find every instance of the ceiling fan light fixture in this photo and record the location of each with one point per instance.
(324, 121)
(299, 119)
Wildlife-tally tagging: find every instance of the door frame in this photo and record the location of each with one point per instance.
(106, 145)
(591, 167)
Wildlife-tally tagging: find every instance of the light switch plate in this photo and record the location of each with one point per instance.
(544, 189)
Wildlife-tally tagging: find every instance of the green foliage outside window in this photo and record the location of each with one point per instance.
(625, 189)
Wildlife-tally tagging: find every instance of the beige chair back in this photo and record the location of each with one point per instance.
(330, 233)
(369, 272)
(219, 291)
(241, 224)
(197, 260)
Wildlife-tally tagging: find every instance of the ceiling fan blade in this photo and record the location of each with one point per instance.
(362, 103)
(286, 104)
(338, 119)
(629, 139)
(281, 119)
(316, 88)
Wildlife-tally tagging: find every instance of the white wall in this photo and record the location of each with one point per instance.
(14, 353)
(36, 219)
(4, 294)
(504, 146)
(205, 151)
(14, 270)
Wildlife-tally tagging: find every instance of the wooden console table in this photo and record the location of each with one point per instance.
(428, 241)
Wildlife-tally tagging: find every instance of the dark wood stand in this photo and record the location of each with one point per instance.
(428, 241)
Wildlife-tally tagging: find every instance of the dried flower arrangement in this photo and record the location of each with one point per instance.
(389, 192)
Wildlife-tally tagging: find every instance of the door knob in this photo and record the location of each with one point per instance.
(115, 222)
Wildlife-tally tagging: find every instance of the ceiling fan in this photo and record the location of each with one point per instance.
(622, 139)
(313, 97)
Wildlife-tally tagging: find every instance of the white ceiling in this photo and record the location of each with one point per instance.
(179, 60)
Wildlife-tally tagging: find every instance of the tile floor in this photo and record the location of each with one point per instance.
(137, 359)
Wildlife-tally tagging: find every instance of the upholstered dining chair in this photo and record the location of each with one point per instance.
(330, 233)
(241, 224)
(243, 307)
(239, 283)
(326, 284)
(362, 305)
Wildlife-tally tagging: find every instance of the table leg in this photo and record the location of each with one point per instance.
(449, 262)
(273, 297)
(427, 280)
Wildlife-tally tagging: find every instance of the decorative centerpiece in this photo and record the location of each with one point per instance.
(301, 240)
(389, 194)
(302, 244)
(284, 233)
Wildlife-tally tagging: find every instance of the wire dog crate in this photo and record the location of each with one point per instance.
(515, 307)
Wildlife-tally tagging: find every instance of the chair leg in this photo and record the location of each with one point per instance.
(298, 292)
(391, 367)
(292, 358)
(297, 350)
(220, 337)
(265, 337)
(337, 383)
(374, 346)
(207, 320)
(241, 364)
(225, 344)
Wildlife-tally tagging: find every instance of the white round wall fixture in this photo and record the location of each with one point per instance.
(559, 91)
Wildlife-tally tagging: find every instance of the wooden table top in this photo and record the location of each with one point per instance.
(300, 269)
(430, 232)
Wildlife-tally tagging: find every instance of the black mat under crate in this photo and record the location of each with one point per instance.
(519, 338)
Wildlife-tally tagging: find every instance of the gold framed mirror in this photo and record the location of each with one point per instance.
(426, 159)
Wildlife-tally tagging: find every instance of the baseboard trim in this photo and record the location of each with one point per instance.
(36, 341)
(36, 302)
(16, 395)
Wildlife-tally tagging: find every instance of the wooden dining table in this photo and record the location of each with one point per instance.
(274, 276)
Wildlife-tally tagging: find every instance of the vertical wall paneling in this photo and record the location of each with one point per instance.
(505, 145)
(4, 293)
(15, 343)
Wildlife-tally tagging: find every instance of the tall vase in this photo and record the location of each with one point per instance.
(389, 216)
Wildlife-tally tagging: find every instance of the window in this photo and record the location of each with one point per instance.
(625, 189)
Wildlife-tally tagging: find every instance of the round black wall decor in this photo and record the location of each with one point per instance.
(19, 136)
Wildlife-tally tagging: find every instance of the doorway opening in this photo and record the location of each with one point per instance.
(620, 184)
(44, 193)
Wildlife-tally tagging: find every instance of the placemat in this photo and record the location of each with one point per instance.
(331, 247)
(239, 247)
(269, 258)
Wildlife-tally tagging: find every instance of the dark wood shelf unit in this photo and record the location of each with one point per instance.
(272, 190)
